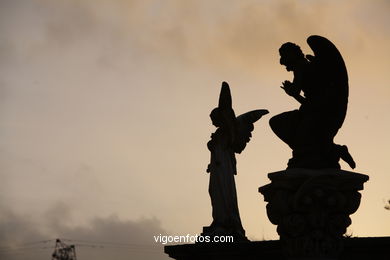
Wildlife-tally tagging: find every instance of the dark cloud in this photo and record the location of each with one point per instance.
(101, 238)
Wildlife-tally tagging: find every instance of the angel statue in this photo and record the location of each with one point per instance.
(231, 137)
(310, 130)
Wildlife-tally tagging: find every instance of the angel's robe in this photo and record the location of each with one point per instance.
(222, 187)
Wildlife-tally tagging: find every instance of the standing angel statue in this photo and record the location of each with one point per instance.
(231, 136)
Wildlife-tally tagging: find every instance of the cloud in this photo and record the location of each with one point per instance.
(115, 34)
(100, 238)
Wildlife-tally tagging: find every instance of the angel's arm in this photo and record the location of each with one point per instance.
(293, 90)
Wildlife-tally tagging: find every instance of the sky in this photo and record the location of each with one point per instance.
(104, 115)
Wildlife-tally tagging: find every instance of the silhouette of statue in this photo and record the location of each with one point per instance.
(309, 131)
(231, 137)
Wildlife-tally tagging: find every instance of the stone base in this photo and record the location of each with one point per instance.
(211, 232)
(354, 249)
(311, 209)
(226, 251)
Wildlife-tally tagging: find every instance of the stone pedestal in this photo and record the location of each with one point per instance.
(311, 209)
(359, 248)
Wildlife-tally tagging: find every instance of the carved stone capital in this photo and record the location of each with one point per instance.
(311, 209)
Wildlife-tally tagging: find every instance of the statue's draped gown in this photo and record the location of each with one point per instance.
(222, 186)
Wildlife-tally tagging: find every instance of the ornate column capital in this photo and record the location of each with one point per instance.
(311, 209)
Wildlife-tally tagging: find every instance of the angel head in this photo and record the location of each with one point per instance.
(220, 117)
(291, 55)
(223, 115)
(216, 117)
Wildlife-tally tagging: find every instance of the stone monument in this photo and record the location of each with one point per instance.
(311, 201)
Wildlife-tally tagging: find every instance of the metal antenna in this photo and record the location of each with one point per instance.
(63, 251)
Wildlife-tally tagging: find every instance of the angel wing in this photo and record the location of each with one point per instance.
(244, 128)
(225, 112)
(225, 98)
(331, 64)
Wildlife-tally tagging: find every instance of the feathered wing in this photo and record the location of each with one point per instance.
(334, 75)
(225, 108)
(225, 98)
(244, 128)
